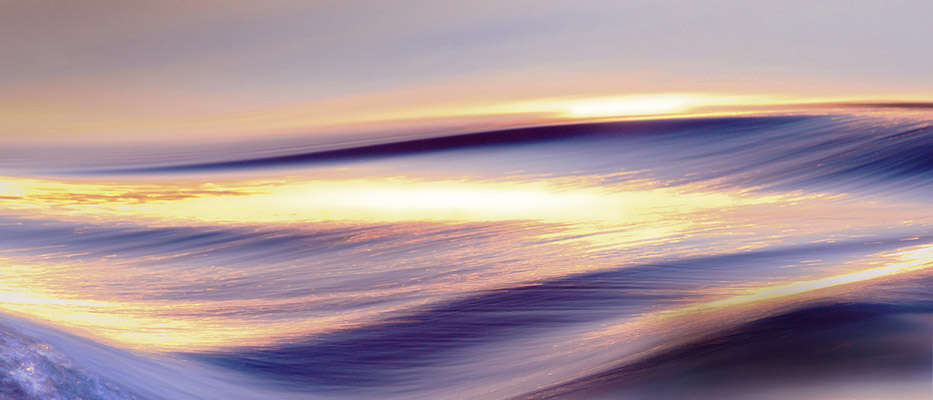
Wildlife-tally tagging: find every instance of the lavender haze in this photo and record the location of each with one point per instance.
(486, 200)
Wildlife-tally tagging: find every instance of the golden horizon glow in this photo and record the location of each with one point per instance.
(586, 107)
(422, 109)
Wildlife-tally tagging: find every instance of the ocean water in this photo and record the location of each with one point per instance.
(760, 256)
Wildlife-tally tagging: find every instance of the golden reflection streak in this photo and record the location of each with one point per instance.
(637, 213)
(729, 309)
(904, 261)
(175, 325)
(612, 216)
(369, 200)
(603, 216)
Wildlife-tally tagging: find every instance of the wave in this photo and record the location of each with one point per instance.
(773, 152)
(818, 350)
(480, 140)
(41, 362)
(400, 349)
(30, 369)
(500, 308)
(812, 348)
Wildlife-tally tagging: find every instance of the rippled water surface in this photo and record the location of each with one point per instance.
(771, 256)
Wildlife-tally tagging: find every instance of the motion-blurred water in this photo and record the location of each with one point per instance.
(723, 257)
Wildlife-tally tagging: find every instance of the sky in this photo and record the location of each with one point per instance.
(152, 71)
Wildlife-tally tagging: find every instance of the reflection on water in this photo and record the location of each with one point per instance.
(536, 262)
